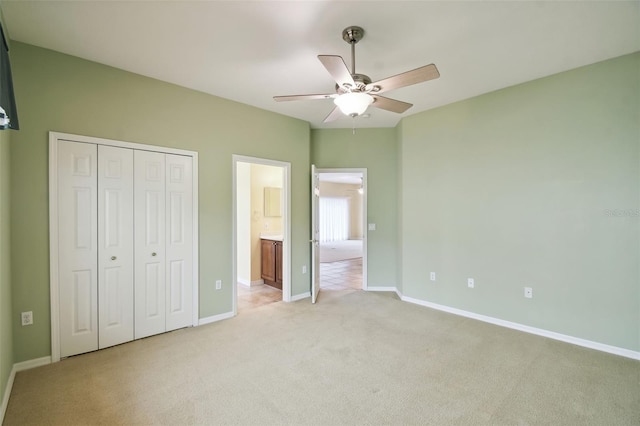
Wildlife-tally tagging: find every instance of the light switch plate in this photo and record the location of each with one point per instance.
(372, 227)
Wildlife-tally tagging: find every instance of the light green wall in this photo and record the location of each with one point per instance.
(6, 313)
(509, 188)
(375, 150)
(512, 188)
(399, 201)
(6, 333)
(67, 94)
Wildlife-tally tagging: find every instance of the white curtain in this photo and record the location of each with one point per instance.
(334, 219)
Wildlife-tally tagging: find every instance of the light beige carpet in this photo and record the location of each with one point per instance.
(334, 251)
(353, 358)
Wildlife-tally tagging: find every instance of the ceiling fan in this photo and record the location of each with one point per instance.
(355, 92)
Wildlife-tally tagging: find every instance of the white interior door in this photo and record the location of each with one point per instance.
(115, 241)
(150, 229)
(315, 234)
(78, 247)
(179, 244)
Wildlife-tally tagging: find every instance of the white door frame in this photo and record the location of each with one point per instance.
(315, 234)
(286, 224)
(54, 285)
(365, 238)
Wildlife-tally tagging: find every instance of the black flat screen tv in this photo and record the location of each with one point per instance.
(8, 111)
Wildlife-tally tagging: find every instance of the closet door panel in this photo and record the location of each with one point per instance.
(77, 247)
(115, 239)
(150, 255)
(179, 233)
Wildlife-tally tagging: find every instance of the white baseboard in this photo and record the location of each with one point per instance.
(627, 353)
(248, 283)
(215, 318)
(382, 289)
(20, 366)
(300, 296)
(7, 393)
(32, 363)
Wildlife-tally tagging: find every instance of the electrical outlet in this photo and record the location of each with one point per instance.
(218, 284)
(471, 283)
(27, 318)
(304, 269)
(528, 292)
(433, 276)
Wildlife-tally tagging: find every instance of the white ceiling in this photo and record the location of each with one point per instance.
(249, 51)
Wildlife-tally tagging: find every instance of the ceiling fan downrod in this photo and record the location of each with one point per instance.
(353, 35)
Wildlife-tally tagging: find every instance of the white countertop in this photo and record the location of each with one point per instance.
(277, 237)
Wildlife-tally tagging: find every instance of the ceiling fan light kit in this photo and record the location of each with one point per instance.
(353, 103)
(355, 92)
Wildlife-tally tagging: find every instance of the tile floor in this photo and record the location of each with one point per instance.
(334, 276)
(259, 295)
(341, 275)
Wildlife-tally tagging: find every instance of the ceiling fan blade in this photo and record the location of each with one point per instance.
(333, 115)
(303, 97)
(419, 75)
(390, 104)
(338, 69)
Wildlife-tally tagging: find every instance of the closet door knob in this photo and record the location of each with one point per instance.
(154, 254)
(113, 258)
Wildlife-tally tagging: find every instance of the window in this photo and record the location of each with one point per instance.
(334, 219)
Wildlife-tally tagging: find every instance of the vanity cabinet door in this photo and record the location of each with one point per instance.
(278, 263)
(272, 263)
(268, 261)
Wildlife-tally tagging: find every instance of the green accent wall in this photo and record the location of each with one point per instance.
(399, 201)
(57, 92)
(6, 316)
(375, 150)
(536, 185)
(6, 313)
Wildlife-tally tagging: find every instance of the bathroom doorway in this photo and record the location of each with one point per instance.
(261, 232)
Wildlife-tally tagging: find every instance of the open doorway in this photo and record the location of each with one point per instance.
(261, 253)
(342, 229)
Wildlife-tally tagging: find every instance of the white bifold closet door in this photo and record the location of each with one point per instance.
(95, 193)
(125, 244)
(179, 243)
(115, 245)
(78, 247)
(164, 242)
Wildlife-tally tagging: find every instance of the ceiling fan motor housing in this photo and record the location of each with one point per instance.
(361, 81)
